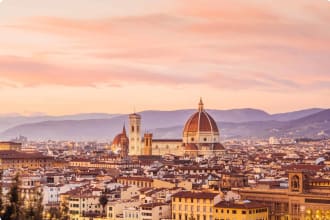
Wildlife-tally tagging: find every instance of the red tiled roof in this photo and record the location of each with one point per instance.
(201, 121)
(11, 154)
(246, 205)
(195, 195)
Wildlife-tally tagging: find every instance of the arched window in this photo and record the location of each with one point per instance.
(295, 185)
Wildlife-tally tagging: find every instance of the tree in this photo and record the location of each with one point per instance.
(35, 209)
(14, 209)
(29, 213)
(38, 207)
(103, 201)
(54, 213)
(64, 210)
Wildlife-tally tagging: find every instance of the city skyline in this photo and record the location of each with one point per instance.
(114, 56)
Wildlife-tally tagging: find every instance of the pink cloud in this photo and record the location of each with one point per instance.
(29, 72)
(256, 45)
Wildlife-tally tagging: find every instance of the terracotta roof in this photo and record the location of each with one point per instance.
(190, 146)
(137, 178)
(9, 142)
(118, 138)
(166, 140)
(152, 205)
(201, 122)
(243, 205)
(304, 167)
(218, 146)
(11, 154)
(195, 195)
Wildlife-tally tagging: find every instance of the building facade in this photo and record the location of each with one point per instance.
(194, 205)
(304, 199)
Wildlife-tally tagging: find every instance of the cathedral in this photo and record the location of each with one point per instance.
(200, 137)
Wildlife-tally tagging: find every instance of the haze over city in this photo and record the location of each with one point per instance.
(63, 57)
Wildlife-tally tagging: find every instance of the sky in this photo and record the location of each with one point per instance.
(117, 56)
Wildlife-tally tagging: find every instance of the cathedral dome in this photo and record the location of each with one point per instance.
(116, 141)
(200, 121)
(119, 138)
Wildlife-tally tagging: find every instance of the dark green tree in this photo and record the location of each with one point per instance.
(13, 210)
(103, 201)
(35, 208)
(29, 213)
(64, 211)
(38, 207)
(54, 213)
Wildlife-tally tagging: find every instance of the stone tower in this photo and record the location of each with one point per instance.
(124, 143)
(135, 134)
(147, 144)
(298, 181)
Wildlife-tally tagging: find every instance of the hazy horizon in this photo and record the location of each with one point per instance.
(32, 114)
(117, 55)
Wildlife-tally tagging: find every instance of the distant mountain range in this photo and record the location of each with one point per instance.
(234, 123)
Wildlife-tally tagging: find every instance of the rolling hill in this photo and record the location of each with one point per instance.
(236, 123)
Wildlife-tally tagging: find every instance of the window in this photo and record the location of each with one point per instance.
(234, 211)
(295, 183)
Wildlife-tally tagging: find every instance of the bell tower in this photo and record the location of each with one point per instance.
(134, 134)
(124, 142)
(298, 181)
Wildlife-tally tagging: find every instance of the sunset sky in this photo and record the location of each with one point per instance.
(73, 56)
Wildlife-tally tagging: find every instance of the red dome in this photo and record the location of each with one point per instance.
(201, 122)
(118, 138)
